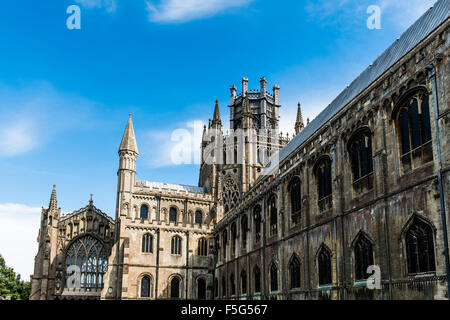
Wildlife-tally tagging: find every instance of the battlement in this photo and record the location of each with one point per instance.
(174, 189)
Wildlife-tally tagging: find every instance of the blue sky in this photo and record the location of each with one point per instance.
(65, 95)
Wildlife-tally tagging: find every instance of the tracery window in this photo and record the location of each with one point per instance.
(257, 278)
(144, 212)
(295, 197)
(361, 155)
(243, 282)
(273, 214)
(91, 257)
(173, 214)
(420, 247)
(294, 272)
(324, 264)
(273, 278)
(257, 223)
(363, 257)
(198, 217)
(146, 287)
(323, 180)
(147, 243)
(202, 249)
(176, 245)
(230, 194)
(413, 121)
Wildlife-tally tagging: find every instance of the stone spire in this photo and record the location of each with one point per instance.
(216, 117)
(299, 122)
(129, 140)
(53, 205)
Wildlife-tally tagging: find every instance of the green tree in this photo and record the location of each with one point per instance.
(11, 285)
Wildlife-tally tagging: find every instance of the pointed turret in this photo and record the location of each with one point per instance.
(53, 205)
(216, 122)
(299, 122)
(129, 140)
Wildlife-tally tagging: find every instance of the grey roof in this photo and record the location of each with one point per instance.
(429, 21)
(170, 186)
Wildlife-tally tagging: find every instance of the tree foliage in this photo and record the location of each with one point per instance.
(11, 286)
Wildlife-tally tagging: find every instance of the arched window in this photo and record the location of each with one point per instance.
(175, 288)
(230, 193)
(295, 197)
(420, 247)
(232, 285)
(198, 217)
(273, 278)
(201, 289)
(176, 245)
(147, 243)
(91, 257)
(273, 216)
(323, 180)
(257, 279)
(413, 121)
(324, 264)
(363, 257)
(145, 287)
(243, 282)
(244, 229)
(224, 287)
(202, 249)
(144, 212)
(257, 222)
(224, 244)
(360, 147)
(173, 215)
(233, 238)
(294, 272)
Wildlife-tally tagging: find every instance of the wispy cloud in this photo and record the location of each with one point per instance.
(19, 227)
(400, 13)
(178, 11)
(109, 5)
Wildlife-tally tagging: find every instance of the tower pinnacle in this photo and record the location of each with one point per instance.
(129, 140)
(216, 117)
(53, 205)
(299, 121)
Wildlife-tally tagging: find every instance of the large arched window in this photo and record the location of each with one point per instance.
(198, 217)
(323, 180)
(90, 256)
(232, 285)
(176, 245)
(202, 249)
(420, 247)
(175, 288)
(257, 222)
(230, 194)
(295, 197)
(363, 250)
(324, 266)
(144, 212)
(273, 278)
(413, 122)
(257, 279)
(244, 231)
(147, 243)
(243, 282)
(273, 214)
(173, 214)
(294, 272)
(201, 289)
(146, 287)
(360, 147)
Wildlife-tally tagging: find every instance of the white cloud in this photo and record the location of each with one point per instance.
(400, 13)
(17, 139)
(19, 227)
(177, 11)
(108, 5)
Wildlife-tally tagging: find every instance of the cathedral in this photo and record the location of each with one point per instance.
(354, 206)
